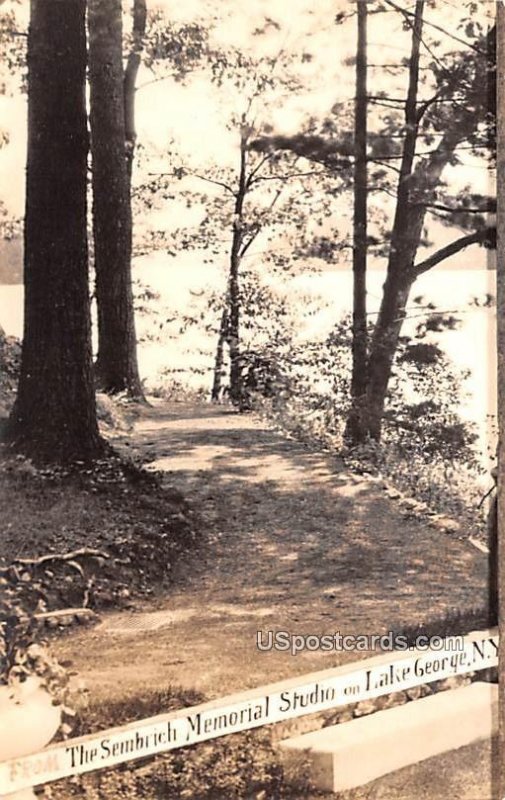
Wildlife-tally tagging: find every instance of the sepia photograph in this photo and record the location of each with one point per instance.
(248, 399)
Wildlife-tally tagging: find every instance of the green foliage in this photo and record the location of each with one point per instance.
(177, 391)
(23, 651)
(457, 81)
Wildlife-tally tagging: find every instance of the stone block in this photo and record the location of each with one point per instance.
(354, 753)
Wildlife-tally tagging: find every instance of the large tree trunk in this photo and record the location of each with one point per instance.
(404, 243)
(116, 365)
(54, 417)
(356, 429)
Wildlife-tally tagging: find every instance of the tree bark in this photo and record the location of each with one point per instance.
(116, 366)
(54, 417)
(219, 359)
(404, 243)
(356, 430)
(234, 327)
(130, 80)
(234, 285)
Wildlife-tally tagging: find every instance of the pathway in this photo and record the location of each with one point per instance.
(293, 542)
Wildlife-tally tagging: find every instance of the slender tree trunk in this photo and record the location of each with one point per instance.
(356, 429)
(234, 285)
(130, 79)
(219, 359)
(54, 417)
(404, 243)
(116, 365)
(234, 327)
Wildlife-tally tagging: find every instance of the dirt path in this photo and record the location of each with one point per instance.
(293, 542)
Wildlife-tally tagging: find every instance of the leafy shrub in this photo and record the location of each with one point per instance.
(176, 391)
(427, 448)
(23, 651)
(10, 361)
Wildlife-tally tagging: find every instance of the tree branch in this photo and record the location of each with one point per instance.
(195, 175)
(457, 210)
(424, 106)
(288, 177)
(259, 226)
(407, 13)
(215, 182)
(485, 236)
(257, 168)
(381, 163)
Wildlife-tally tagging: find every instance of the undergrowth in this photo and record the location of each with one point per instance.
(243, 766)
(135, 528)
(447, 486)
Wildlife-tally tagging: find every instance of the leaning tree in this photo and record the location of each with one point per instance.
(446, 111)
(452, 118)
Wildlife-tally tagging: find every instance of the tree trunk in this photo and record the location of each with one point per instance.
(116, 365)
(416, 190)
(130, 79)
(356, 429)
(54, 417)
(383, 350)
(219, 360)
(404, 243)
(234, 286)
(234, 328)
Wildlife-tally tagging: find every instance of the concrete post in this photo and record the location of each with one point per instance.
(28, 722)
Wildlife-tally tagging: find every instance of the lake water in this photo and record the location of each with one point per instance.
(471, 347)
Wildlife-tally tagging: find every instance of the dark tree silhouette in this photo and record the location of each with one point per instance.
(419, 184)
(416, 190)
(356, 428)
(116, 368)
(54, 417)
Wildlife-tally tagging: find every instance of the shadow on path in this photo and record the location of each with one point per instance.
(292, 542)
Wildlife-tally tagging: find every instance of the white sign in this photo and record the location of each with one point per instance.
(307, 694)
